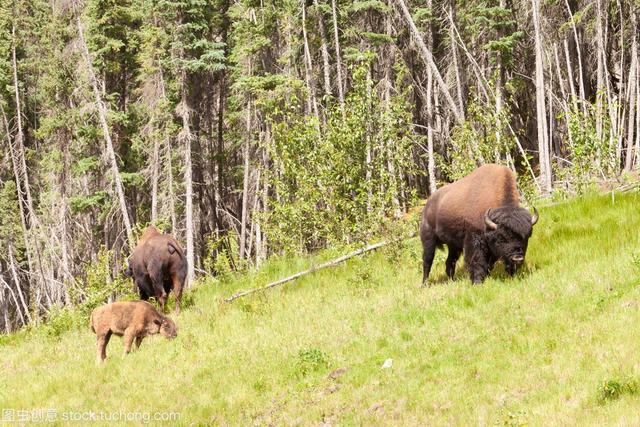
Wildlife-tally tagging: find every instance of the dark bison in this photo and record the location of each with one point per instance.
(131, 319)
(158, 265)
(478, 214)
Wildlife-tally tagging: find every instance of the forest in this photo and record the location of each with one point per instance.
(250, 129)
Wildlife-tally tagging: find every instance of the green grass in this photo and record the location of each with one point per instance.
(558, 344)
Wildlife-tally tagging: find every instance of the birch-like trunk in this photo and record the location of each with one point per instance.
(16, 281)
(543, 146)
(312, 103)
(600, 85)
(186, 137)
(102, 113)
(431, 164)
(572, 88)
(632, 102)
(155, 172)
(579, 53)
(336, 41)
(245, 186)
(564, 103)
(324, 50)
(455, 56)
(428, 59)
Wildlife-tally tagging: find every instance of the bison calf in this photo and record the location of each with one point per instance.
(131, 319)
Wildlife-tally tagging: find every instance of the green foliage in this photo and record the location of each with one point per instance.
(10, 228)
(368, 5)
(483, 137)
(80, 204)
(333, 186)
(590, 157)
(615, 388)
(310, 360)
(98, 285)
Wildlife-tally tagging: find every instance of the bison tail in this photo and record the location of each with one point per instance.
(91, 322)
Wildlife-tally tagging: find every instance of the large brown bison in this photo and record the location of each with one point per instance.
(480, 215)
(158, 265)
(131, 319)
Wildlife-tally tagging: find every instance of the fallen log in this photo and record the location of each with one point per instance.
(311, 270)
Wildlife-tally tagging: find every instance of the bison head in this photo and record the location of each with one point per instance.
(507, 230)
(167, 327)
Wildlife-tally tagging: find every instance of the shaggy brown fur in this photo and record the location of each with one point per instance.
(158, 265)
(455, 215)
(131, 319)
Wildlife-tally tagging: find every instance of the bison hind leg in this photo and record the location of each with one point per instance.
(101, 344)
(429, 244)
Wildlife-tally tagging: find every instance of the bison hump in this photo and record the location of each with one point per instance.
(173, 249)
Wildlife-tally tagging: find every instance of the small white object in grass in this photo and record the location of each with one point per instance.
(387, 364)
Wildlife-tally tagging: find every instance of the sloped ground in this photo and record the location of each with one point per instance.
(556, 345)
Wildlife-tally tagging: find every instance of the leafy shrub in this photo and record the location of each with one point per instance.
(310, 360)
(615, 388)
(98, 287)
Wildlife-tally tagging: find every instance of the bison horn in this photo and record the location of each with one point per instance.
(487, 221)
(534, 217)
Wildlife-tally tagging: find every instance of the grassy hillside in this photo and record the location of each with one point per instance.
(557, 344)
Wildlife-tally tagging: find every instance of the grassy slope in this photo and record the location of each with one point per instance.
(535, 349)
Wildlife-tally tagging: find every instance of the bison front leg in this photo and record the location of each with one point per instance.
(452, 258)
(476, 258)
(138, 341)
(129, 336)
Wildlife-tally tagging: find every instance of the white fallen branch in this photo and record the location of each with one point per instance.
(310, 270)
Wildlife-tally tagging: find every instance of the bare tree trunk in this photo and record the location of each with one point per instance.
(325, 51)
(564, 104)
(431, 164)
(600, 86)
(308, 66)
(19, 138)
(155, 166)
(15, 302)
(5, 307)
(633, 72)
(454, 53)
(186, 137)
(578, 51)
(172, 203)
(428, 58)
(395, 180)
(16, 281)
(638, 121)
(368, 143)
(245, 187)
(338, 57)
(543, 146)
(574, 97)
(21, 201)
(102, 113)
